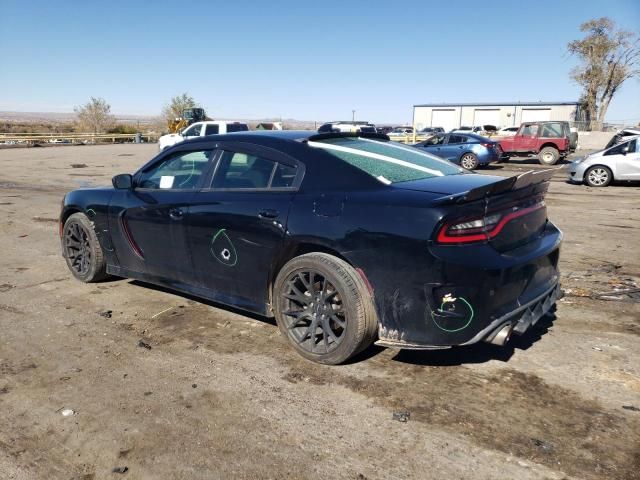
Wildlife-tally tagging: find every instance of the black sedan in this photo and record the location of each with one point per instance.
(345, 238)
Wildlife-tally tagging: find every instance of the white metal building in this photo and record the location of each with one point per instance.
(454, 115)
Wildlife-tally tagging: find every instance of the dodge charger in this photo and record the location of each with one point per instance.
(345, 238)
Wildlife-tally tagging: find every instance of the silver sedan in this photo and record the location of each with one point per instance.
(599, 169)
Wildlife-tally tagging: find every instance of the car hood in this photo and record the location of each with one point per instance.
(449, 184)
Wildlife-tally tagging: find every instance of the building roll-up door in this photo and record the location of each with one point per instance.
(445, 118)
(486, 116)
(536, 114)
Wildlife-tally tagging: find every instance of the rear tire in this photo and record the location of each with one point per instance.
(469, 161)
(81, 249)
(323, 308)
(598, 176)
(548, 156)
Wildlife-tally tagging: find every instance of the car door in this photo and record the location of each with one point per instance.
(526, 139)
(148, 221)
(237, 225)
(627, 160)
(455, 146)
(434, 144)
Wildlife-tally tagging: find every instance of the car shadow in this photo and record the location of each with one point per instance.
(477, 353)
(204, 301)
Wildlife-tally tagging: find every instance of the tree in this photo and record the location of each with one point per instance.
(608, 57)
(177, 105)
(95, 115)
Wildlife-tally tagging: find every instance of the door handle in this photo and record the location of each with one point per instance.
(176, 213)
(268, 213)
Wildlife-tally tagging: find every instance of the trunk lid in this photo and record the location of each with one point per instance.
(504, 212)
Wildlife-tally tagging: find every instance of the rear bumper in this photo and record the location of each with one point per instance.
(522, 318)
(519, 320)
(462, 299)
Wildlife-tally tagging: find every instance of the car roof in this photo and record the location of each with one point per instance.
(470, 135)
(280, 137)
(628, 138)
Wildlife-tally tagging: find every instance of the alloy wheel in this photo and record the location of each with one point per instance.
(315, 317)
(598, 176)
(468, 162)
(77, 248)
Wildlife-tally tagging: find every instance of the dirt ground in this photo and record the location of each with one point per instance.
(220, 395)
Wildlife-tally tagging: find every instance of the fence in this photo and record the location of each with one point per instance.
(74, 138)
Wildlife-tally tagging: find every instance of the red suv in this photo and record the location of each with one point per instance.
(549, 141)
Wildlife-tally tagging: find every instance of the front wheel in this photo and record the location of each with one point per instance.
(323, 308)
(469, 161)
(598, 176)
(82, 250)
(548, 156)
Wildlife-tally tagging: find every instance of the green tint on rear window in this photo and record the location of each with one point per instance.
(389, 162)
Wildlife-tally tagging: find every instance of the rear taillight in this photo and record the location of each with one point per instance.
(488, 145)
(484, 228)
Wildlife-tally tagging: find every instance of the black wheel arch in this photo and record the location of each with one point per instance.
(291, 250)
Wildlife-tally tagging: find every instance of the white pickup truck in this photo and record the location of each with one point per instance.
(200, 129)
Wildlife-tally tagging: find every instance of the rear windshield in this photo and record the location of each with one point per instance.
(237, 127)
(389, 162)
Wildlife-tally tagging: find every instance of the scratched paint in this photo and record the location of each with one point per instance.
(454, 315)
(222, 249)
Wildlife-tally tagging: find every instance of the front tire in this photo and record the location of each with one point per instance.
(598, 176)
(323, 308)
(81, 249)
(548, 156)
(469, 161)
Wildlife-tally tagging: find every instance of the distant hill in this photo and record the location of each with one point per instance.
(54, 117)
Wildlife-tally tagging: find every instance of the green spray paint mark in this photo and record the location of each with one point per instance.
(222, 249)
(453, 330)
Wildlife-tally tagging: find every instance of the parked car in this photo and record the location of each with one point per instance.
(507, 131)
(345, 238)
(622, 136)
(478, 129)
(468, 150)
(431, 130)
(384, 130)
(401, 132)
(201, 129)
(345, 126)
(599, 169)
(549, 141)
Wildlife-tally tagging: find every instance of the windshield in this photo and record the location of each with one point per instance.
(388, 162)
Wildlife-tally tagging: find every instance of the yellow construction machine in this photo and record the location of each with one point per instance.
(189, 116)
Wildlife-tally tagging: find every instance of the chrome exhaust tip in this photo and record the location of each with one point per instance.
(502, 335)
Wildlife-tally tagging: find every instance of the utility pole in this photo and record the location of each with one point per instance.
(353, 115)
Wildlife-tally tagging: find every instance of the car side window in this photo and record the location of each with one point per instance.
(456, 139)
(211, 129)
(619, 149)
(194, 131)
(179, 171)
(529, 130)
(237, 170)
(552, 130)
(435, 140)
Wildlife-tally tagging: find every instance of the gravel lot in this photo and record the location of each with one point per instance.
(220, 395)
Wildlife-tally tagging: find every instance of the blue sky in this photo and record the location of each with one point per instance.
(297, 59)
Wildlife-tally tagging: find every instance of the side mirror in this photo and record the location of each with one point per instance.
(124, 181)
(625, 149)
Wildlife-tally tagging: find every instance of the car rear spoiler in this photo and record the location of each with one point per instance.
(518, 182)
